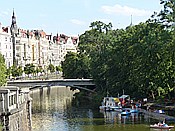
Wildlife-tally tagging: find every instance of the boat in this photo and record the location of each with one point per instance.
(162, 126)
(110, 104)
(134, 111)
(125, 112)
(160, 111)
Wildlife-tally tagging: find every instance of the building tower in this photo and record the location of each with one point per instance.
(131, 21)
(14, 31)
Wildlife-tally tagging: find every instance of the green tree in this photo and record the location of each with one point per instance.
(39, 69)
(3, 70)
(51, 68)
(83, 68)
(96, 44)
(8, 72)
(69, 65)
(29, 69)
(76, 66)
(167, 15)
(139, 59)
(16, 71)
(58, 68)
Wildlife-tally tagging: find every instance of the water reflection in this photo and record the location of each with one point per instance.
(49, 108)
(52, 110)
(116, 117)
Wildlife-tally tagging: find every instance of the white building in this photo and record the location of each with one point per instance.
(32, 48)
(65, 44)
(21, 47)
(6, 45)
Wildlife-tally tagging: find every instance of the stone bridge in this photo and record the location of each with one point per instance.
(86, 84)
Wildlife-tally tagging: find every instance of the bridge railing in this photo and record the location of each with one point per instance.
(51, 82)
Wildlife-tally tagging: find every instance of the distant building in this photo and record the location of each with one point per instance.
(14, 31)
(65, 44)
(20, 47)
(6, 47)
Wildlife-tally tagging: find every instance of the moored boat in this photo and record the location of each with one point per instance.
(160, 111)
(110, 104)
(125, 112)
(134, 110)
(164, 126)
(131, 110)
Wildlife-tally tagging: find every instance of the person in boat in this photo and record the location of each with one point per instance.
(162, 123)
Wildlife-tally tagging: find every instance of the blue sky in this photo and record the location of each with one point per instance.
(73, 17)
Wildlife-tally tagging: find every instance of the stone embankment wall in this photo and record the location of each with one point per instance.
(15, 109)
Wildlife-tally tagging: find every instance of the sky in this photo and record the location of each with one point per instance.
(73, 17)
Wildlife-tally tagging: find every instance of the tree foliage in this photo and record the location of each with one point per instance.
(167, 14)
(58, 68)
(3, 70)
(29, 69)
(76, 66)
(51, 68)
(16, 71)
(139, 59)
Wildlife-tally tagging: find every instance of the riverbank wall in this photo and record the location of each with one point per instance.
(15, 109)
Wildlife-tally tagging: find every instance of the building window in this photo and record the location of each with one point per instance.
(5, 38)
(9, 64)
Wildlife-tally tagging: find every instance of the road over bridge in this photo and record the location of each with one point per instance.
(87, 83)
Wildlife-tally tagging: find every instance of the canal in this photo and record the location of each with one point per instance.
(52, 110)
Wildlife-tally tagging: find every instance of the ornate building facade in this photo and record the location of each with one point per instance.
(6, 47)
(21, 47)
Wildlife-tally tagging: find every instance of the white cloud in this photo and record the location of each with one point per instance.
(77, 22)
(125, 10)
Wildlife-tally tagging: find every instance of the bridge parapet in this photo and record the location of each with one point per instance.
(51, 82)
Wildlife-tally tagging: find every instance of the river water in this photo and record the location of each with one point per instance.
(52, 110)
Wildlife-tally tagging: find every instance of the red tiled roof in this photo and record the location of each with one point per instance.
(5, 29)
(43, 33)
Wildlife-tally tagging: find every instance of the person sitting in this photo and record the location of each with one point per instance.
(164, 124)
(160, 124)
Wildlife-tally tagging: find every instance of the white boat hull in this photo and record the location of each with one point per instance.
(161, 127)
